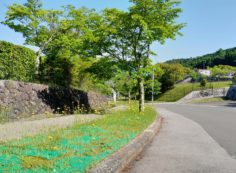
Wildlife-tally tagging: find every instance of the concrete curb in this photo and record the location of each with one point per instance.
(121, 159)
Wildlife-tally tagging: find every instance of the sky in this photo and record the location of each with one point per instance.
(210, 25)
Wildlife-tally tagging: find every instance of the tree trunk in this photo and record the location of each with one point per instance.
(153, 84)
(114, 95)
(141, 95)
(129, 96)
(118, 95)
(39, 53)
(37, 63)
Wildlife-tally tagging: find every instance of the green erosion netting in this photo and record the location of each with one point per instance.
(73, 149)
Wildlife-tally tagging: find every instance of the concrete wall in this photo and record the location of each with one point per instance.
(25, 99)
(221, 92)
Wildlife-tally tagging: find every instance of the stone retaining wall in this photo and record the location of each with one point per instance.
(25, 99)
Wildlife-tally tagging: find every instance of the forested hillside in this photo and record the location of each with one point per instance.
(220, 57)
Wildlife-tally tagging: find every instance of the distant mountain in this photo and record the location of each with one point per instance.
(220, 57)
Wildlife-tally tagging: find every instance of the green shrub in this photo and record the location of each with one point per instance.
(203, 82)
(56, 71)
(16, 62)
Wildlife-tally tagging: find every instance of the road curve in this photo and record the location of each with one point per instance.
(218, 119)
(183, 146)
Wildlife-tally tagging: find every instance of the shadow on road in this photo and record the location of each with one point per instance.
(231, 104)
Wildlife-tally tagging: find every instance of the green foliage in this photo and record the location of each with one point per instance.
(220, 57)
(124, 37)
(103, 68)
(16, 62)
(194, 75)
(37, 25)
(83, 77)
(56, 71)
(80, 77)
(148, 88)
(203, 82)
(72, 72)
(77, 148)
(114, 75)
(127, 36)
(169, 74)
(222, 70)
(125, 83)
(59, 35)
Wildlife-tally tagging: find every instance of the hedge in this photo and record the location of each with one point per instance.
(16, 62)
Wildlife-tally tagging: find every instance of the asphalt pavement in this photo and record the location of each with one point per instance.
(193, 139)
(218, 119)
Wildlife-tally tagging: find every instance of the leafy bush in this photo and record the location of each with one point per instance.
(171, 73)
(16, 62)
(56, 71)
(203, 82)
(167, 82)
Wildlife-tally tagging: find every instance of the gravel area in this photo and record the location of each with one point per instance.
(19, 129)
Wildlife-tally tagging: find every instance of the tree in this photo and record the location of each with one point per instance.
(38, 26)
(56, 71)
(170, 74)
(105, 70)
(221, 70)
(220, 57)
(125, 83)
(203, 82)
(127, 36)
(59, 34)
(114, 75)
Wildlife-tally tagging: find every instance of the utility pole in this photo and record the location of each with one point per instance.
(153, 84)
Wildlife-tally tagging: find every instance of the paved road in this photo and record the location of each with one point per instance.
(218, 119)
(183, 146)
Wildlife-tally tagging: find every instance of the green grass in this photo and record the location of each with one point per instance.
(75, 149)
(209, 100)
(181, 90)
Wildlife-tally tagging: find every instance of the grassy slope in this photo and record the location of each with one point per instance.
(77, 148)
(181, 90)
